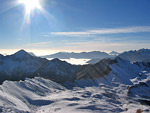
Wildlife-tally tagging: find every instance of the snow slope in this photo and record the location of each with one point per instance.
(26, 95)
(44, 96)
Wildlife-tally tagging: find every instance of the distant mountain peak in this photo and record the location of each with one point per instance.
(114, 53)
(21, 54)
(22, 51)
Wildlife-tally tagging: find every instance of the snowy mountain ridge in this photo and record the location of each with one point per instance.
(141, 55)
(136, 56)
(21, 65)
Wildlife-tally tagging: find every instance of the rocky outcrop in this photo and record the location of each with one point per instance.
(97, 70)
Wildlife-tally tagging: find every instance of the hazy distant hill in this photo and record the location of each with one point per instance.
(84, 55)
(112, 55)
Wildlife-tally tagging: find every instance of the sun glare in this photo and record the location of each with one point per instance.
(30, 5)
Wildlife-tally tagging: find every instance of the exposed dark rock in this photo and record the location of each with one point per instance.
(95, 71)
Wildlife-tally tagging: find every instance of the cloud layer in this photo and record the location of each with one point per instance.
(134, 29)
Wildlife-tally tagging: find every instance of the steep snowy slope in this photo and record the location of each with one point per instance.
(119, 70)
(136, 77)
(26, 95)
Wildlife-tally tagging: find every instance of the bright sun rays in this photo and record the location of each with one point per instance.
(30, 5)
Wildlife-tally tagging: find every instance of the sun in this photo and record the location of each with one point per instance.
(30, 5)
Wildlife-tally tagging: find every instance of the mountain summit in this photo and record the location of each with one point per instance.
(22, 54)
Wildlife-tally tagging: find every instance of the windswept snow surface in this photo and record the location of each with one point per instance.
(26, 95)
(44, 96)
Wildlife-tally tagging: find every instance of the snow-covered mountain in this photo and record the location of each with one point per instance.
(82, 55)
(57, 70)
(136, 56)
(19, 65)
(142, 55)
(108, 86)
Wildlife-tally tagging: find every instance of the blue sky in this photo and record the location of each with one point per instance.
(75, 25)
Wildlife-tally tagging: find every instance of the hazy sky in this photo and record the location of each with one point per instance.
(75, 25)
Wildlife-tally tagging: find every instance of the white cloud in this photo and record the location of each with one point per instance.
(134, 29)
(102, 46)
